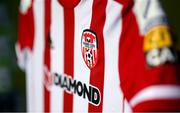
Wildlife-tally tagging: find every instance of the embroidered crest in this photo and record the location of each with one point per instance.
(89, 48)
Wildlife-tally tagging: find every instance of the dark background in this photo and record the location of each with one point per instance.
(12, 80)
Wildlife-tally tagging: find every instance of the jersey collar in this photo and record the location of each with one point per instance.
(69, 4)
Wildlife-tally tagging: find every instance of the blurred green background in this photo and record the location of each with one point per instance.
(12, 80)
(172, 9)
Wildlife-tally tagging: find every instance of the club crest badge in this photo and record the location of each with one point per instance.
(89, 48)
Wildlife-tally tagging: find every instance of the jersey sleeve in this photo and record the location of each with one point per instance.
(149, 71)
(24, 44)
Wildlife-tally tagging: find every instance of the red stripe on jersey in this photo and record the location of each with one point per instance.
(30, 40)
(47, 53)
(97, 73)
(26, 29)
(131, 59)
(68, 54)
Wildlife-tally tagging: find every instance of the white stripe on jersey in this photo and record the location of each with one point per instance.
(159, 92)
(29, 82)
(37, 75)
(25, 63)
(113, 98)
(25, 5)
(57, 54)
(83, 15)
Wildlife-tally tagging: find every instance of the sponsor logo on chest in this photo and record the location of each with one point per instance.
(86, 91)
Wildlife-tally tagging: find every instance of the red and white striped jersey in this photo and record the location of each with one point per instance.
(102, 56)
